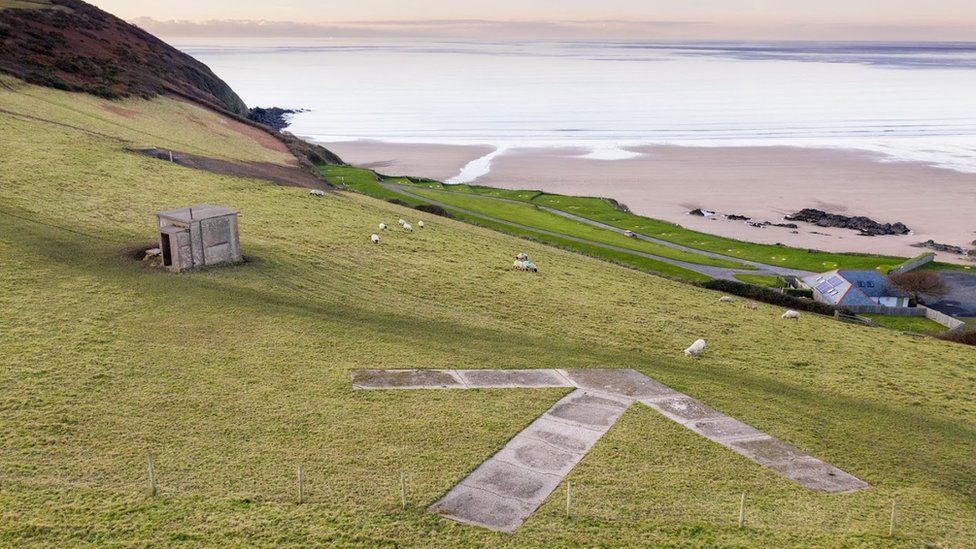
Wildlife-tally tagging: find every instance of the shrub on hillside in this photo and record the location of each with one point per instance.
(768, 295)
(966, 338)
(434, 209)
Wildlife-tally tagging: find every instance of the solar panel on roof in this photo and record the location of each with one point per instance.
(835, 281)
(823, 287)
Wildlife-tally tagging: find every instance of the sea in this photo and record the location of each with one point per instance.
(907, 101)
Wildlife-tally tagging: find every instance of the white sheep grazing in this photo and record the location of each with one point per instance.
(725, 299)
(696, 348)
(375, 238)
(408, 227)
(401, 222)
(791, 315)
(522, 256)
(420, 223)
(316, 192)
(382, 226)
(751, 306)
(519, 265)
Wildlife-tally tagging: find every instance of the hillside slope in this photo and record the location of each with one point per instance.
(72, 45)
(232, 377)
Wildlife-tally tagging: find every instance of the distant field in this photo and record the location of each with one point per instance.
(602, 210)
(760, 280)
(920, 325)
(232, 377)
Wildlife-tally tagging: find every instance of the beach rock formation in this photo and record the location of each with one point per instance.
(737, 217)
(701, 213)
(765, 224)
(939, 247)
(866, 226)
(273, 117)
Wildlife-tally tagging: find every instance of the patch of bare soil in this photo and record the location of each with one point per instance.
(122, 111)
(289, 176)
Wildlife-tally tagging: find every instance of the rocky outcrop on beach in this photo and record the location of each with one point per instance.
(701, 213)
(737, 217)
(765, 224)
(939, 247)
(273, 117)
(866, 226)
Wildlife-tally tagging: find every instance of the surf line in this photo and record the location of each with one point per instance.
(477, 167)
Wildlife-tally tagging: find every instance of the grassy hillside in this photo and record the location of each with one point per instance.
(72, 45)
(233, 376)
(164, 123)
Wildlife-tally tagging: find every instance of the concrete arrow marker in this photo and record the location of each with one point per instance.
(501, 493)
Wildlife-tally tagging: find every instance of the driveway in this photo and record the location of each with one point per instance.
(961, 299)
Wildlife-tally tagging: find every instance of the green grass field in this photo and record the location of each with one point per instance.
(367, 182)
(919, 325)
(601, 210)
(762, 280)
(234, 376)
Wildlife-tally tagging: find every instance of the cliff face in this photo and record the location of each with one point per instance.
(71, 45)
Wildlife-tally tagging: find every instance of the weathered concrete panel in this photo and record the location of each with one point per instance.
(621, 382)
(405, 379)
(507, 488)
(510, 379)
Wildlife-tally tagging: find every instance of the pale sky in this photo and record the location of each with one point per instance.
(941, 20)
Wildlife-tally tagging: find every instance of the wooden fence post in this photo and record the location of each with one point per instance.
(403, 489)
(742, 510)
(152, 474)
(891, 525)
(569, 498)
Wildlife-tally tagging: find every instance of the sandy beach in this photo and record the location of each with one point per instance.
(764, 183)
(438, 162)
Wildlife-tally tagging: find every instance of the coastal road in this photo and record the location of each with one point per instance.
(723, 273)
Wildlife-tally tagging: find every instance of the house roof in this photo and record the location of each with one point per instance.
(196, 213)
(849, 287)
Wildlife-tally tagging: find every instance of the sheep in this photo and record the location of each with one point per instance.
(696, 348)
(519, 265)
(725, 299)
(316, 192)
(401, 222)
(375, 238)
(751, 306)
(529, 266)
(420, 223)
(522, 256)
(791, 315)
(382, 226)
(408, 227)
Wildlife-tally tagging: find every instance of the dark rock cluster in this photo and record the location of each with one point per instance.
(865, 225)
(273, 117)
(939, 247)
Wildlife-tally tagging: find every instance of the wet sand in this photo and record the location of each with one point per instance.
(764, 183)
(439, 162)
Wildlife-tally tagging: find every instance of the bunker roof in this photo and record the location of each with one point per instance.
(196, 213)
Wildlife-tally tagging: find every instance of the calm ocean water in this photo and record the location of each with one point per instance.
(908, 101)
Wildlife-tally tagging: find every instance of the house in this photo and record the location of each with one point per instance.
(198, 236)
(848, 288)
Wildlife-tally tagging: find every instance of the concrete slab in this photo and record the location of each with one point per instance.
(405, 379)
(512, 379)
(481, 508)
(683, 409)
(724, 429)
(620, 382)
(507, 488)
(793, 464)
